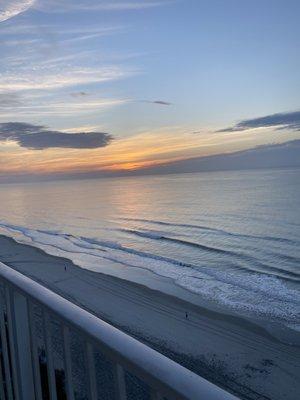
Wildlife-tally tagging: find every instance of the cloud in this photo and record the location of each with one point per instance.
(162, 103)
(79, 94)
(290, 120)
(279, 155)
(42, 36)
(98, 5)
(40, 106)
(126, 5)
(11, 8)
(73, 76)
(8, 99)
(38, 137)
(159, 102)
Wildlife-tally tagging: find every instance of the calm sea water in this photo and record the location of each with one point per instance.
(231, 237)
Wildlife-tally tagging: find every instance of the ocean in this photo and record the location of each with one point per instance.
(232, 238)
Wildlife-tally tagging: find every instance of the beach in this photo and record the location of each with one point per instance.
(149, 175)
(235, 353)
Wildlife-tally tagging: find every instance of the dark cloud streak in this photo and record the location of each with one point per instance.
(289, 120)
(159, 102)
(38, 137)
(79, 94)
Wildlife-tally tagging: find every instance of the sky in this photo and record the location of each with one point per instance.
(91, 86)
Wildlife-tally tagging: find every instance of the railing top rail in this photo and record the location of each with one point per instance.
(154, 368)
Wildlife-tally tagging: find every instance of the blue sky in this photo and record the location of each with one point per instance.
(185, 68)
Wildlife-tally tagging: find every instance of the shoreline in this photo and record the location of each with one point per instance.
(232, 352)
(150, 279)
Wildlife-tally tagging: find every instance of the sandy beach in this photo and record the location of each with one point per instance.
(234, 353)
(149, 174)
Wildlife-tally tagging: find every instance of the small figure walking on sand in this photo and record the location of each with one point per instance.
(186, 315)
(65, 268)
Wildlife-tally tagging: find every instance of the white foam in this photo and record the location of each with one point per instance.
(252, 293)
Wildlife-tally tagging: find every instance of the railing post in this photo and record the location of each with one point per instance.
(119, 382)
(49, 358)
(12, 343)
(34, 353)
(5, 352)
(91, 372)
(156, 396)
(68, 363)
(2, 394)
(18, 325)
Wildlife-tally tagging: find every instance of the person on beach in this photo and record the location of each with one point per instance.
(186, 315)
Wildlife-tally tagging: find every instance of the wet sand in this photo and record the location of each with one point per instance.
(232, 352)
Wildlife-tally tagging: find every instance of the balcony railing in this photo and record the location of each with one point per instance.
(51, 349)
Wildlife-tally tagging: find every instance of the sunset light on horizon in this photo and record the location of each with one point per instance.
(113, 88)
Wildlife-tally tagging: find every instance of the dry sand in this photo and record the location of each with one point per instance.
(232, 352)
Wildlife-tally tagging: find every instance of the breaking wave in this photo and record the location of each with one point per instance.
(262, 295)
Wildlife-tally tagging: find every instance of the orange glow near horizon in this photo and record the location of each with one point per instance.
(143, 150)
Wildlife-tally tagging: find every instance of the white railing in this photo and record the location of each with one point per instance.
(27, 359)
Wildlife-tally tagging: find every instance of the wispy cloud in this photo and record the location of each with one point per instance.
(40, 84)
(83, 128)
(52, 68)
(73, 76)
(33, 29)
(101, 5)
(40, 106)
(288, 120)
(38, 137)
(11, 8)
(38, 35)
(9, 100)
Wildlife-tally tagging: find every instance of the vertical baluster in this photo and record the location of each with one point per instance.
(10, 313)
(49, 357)
(4, 341)
(2, 394)
(156, 395)
(34, 352)
(18, 321)
(120, 384)
(91, 372)
(68, 363)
